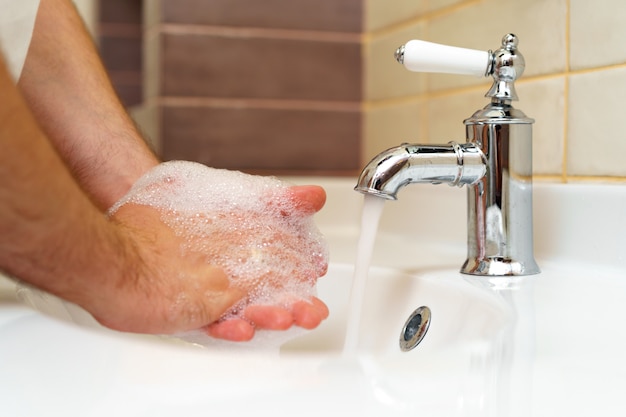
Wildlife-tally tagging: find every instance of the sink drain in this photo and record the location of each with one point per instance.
(415, 328)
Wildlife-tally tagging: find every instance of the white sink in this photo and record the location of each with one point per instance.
(69, 367)
(550, 345)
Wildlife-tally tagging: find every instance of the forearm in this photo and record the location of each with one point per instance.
(51, 234)
(68, 90)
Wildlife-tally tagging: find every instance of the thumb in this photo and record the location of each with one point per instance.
(208, 296)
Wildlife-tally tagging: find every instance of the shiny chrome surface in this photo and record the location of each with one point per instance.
(415, 328)
(399, 54)
(495, 163)
(500, 232)
(507, 66)
(394, 168)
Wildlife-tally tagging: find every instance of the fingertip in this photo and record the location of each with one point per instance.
(308, 199)
(321, 307)
(234, 330)
(269, 317)
(309, 315)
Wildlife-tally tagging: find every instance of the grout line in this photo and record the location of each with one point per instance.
(564, 163)
(605, 179)
(424, 113)
(596, 179)
(569, 71)
(565, 129)
(364, 102)
(479, 87)
(395, 101)
(558, 178)
(547, 178)
(424, 97)
(425, 17)
(255, 103)
(578, 178)
(255, 32)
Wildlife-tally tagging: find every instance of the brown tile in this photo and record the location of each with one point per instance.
(128, 87)
(270, 140)
(120, 11)
(319, 15)
(121, 53)
(216, 66)
(120, 30)
(129, 94)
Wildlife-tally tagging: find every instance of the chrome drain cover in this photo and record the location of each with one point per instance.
(415, 328)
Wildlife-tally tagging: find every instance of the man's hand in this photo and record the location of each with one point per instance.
(178, 285)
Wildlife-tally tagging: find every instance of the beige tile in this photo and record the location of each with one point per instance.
(385, 78)
(540, 26)
(597, 139)
(151, 13)
(446, 115)
(544, 101)
(597, 33)
(151, 58)
(441, 4)
(391, 125)
(88, 10)
(147, 119)
(379, 14)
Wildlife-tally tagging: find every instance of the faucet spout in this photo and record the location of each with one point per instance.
(396, 167)
(495, 162)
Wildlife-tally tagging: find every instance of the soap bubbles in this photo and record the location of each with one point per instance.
(250, 226)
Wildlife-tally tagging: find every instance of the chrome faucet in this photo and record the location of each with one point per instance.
(495, 162)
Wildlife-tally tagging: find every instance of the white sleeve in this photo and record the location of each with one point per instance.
(17, 21)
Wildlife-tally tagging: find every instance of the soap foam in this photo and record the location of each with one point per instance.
(241, 223)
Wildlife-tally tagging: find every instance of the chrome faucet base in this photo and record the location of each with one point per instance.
(500, 218)
(495, 163)
(494, 267)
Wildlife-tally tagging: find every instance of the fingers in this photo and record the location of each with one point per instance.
(309, 315)
(255, 317)
(269, 317)
(235, 330)
(307, 199)
(305, 314)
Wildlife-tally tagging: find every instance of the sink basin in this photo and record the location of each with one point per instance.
(551, 344)
(390, 298)
(74, 367)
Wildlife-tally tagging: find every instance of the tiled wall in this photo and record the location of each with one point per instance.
(267, 87)
(574, 84)
(119, 37)
(307, 86)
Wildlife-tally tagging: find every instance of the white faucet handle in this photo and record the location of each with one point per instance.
(422, 56)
